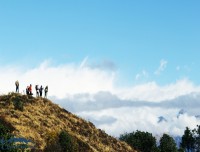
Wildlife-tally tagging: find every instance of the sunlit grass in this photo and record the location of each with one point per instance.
(41, 118)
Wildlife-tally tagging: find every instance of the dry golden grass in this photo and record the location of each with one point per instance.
(42, 119)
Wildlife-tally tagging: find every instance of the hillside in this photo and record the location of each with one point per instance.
(40, 121)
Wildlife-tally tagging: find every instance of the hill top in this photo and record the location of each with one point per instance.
(40, 121)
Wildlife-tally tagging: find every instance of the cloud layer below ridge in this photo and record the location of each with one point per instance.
(92, 93)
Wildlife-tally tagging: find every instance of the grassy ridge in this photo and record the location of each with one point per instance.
(41, 121)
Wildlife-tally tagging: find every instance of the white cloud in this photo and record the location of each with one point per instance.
(151, 91)
(117, 116)
(69, 79)
(62, 79)
(91, 92)
(128, 119)
(161, 68)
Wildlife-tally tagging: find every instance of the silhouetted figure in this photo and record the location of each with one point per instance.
(45, 91)
(41, 89)
(30, 90)
(37, 90)
(17, 86)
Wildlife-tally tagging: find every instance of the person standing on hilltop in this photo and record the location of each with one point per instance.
(30, 90)
(17, 86)
(41, 89)
(37, 90)
(27, 90)
(45, 91)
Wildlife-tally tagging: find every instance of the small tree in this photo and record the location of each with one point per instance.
(197, 138)
(188, 140)
(18, 103)
(67, 142)
(142, 141)
(167, 144)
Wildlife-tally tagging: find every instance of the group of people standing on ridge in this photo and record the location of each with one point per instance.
(39, 90)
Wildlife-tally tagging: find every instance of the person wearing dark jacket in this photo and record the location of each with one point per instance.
(45, 91)
(40, 90)
(37, 90)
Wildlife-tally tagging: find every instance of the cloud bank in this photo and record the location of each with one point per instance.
(91, 92)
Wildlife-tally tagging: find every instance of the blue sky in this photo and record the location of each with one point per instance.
(134, 35)
(107, 60)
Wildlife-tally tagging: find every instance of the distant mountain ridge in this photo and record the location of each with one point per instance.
(39, 119)
(161, 119)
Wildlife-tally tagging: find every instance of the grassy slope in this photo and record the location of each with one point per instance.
(41, 120)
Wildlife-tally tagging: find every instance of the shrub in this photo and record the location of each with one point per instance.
(142, 141)
(67, 142)
(18, 104)
(52, 143)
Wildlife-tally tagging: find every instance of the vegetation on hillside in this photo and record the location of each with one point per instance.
(8, 143)
(52, 128)
(191, 140)
(167, 144)
(145, 142)
(141, 141)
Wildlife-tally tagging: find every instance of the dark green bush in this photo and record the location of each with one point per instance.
(167, 144)
(141, 141)
(67, 142)
(18, 104)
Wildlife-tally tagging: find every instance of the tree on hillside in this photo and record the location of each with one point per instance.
(167, 144)
(142, 141)
(67, 142)
(188, 140)
(197, 138)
